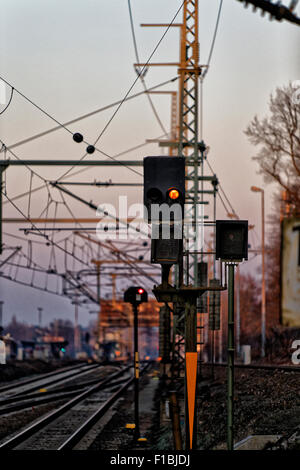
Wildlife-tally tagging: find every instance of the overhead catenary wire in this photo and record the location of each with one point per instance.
(228, 201)
(201, 110)
(31, 284)
(34, 268)
(20, 159)
(22, 238)
(82, 170)
(99, 209)
(130, 88)
(7, 148)
(87, 115)
(203, 75)
(140, 75)
(213, 39)
(39, 230)
(33, 103)
(73, 166)
(140, 72)
(112, 157)
(223, 192)
(9, 101)
(110, 120)
(72, 214)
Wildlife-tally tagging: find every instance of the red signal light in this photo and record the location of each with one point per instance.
(140, 291)
(173, 193)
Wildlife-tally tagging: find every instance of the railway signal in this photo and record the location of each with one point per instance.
(164, 188)
(164, 196)
(232, 240)
(135, 295)
(232, 248)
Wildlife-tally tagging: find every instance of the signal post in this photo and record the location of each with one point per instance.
(135, 296)
(231, 248)
(164, 197)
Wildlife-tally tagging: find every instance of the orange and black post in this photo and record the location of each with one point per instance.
(191, 374)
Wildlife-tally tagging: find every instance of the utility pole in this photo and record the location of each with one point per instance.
(184, 349)
(75, 302)
(3, 167)
(135, 295)
(263, 280)
(1, 313)
(189, 73)
(1, 322)
(230, 357)
(40, 316)
(238, 313)
(263, 289)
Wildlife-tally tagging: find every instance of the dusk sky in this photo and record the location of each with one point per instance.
(71, 57)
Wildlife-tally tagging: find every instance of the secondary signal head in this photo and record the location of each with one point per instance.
(232, 240)
(135, 295)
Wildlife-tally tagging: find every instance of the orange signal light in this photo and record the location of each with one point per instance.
(173, 193)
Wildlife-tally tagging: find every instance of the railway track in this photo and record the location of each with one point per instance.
(61, 387)
(22, 402)
(258, 367)
(43, 380)
(64, 427)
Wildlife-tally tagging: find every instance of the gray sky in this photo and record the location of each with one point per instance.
(71, 57)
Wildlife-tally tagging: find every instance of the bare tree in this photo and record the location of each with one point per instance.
(278, 138)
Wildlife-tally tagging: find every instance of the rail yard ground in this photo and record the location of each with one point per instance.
(267, 402)
(14, 370)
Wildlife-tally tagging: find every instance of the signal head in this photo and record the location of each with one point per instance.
(135, 295)
(164, 185)
(154, 195)
(232, 240)
(173, 194)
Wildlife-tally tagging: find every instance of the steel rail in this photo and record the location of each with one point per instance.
(58, 379)
(44, 421)
(35, 379)
(32, 404)
(258, 366)
(89, 423)
(69, 388)
(48, 397)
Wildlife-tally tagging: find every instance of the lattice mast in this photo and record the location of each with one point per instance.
(189, 72)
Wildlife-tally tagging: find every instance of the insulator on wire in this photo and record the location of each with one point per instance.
(77, 137)
(90, 149)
